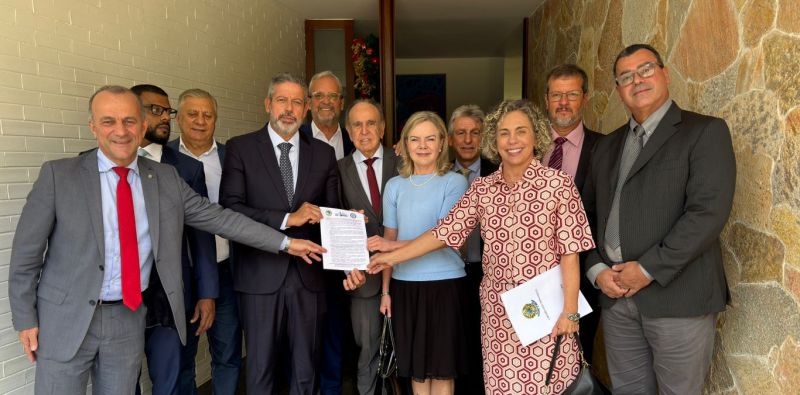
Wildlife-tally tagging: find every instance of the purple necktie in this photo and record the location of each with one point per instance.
(557, 158)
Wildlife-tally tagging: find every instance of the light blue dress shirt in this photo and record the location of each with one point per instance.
(112, 273)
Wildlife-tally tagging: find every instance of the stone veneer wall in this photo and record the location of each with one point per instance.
(55, 53)
(738, 60)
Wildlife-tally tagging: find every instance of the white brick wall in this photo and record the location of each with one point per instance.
(55, 53)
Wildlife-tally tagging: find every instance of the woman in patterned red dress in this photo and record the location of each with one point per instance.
(531, 220)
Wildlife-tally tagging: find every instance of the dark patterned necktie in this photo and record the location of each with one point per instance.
(557, 157)
(286, 170)
(372, 181)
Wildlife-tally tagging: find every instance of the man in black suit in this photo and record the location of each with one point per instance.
(200, 278)
(326, 104)
(280, 177)
(197, 117)
(363, 174)
(661, 188)
(464, 137)
(566, 94)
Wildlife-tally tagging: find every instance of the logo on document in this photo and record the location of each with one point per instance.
(531, 310)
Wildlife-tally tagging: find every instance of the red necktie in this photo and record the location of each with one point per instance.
(128, 243)
(372, 181)
(557, 157)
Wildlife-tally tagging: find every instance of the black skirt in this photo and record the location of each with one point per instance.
(428, 321)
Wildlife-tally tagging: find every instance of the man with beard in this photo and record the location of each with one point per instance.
(566, 94)
(200, 276)
(280, 177)
(464, 137)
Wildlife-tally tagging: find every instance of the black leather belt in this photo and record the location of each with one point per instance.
(109, 302)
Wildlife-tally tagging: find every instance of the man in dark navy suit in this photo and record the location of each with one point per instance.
(326, 105)
(280, 177)
(197, 117)
(200, 277)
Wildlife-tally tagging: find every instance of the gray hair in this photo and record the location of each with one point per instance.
(117, 90)
(281, 78)
(197, 94)
(467, 110)
(369, 101)
(323, 74)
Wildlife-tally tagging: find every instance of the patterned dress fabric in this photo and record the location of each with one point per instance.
(526, 227)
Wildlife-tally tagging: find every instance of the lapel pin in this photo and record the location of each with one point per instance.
(149, 175)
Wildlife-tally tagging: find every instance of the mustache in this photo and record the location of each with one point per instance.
(641, 87)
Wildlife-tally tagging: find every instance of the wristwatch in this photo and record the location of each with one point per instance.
(574, 317)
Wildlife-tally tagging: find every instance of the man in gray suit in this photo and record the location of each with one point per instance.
(661, 188)
(363, 174)
(90, 233)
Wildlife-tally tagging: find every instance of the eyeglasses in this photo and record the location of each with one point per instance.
(319, 96)
(157, 110)
(571, 96)
(646, 70)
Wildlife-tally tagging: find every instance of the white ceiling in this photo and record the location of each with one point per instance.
(433, 28)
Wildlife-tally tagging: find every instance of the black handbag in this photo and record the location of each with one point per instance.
(387, 360)
(584, 384)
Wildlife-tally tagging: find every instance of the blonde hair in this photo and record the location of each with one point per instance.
(442, 159)
(541, 131)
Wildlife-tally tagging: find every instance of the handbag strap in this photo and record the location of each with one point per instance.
(555, 356)
(387, 335)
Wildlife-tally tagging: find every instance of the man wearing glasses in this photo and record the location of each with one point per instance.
(327, 103)
(198, 255)
(660, 188)
(566, 94)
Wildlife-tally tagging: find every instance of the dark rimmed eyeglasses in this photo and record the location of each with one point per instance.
(157, 110)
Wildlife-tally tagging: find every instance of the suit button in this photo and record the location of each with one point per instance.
(92, 302)
(102, 268)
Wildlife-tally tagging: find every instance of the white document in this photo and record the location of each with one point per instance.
(345, 237)
(534, 307)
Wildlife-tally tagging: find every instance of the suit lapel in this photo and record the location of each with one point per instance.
(149, 179)
(350, 175)
(91, 183)
(267, 152)
(389, 166)
(303, 167)
(616, 143)
(589, 139)
(665, 129)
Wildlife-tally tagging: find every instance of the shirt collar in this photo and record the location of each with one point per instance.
(277, 139)
(359, 157)
(319, 135)
(210, 151)
(574, 137)
(105, 165)
(474, 167)
(651, 123)
(155, 150)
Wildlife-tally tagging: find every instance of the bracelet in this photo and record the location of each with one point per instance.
(384, 293)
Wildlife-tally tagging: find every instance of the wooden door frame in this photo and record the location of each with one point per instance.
(332, 24)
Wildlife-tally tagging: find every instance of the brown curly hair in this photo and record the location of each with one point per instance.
(541, 132)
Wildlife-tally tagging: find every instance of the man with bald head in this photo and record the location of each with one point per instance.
(363, 174)
(106, 219)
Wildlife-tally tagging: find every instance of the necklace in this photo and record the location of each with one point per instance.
(423, 184)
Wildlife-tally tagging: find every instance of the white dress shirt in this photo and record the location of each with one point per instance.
(153, 152)
(337, 142)
(294, 158)
(212, 167)
(361, 169)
